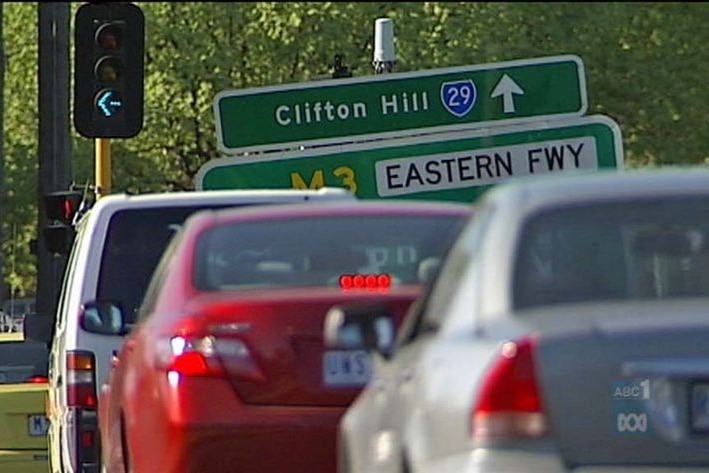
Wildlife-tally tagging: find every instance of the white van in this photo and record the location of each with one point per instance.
(117, 245)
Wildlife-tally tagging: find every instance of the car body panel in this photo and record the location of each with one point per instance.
(500, 460)
(591, 362)
(290, 353)
(24, 461)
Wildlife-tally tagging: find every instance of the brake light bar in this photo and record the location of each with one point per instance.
(365, 281)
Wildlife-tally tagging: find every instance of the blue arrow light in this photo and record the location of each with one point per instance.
(109, 102)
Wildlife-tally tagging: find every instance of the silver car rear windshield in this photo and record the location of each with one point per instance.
(649, 249)
(318, 251)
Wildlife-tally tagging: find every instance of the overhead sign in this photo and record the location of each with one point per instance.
(455, 166)
(380, 106)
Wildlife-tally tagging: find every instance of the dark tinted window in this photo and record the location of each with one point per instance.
(161, 271)
(22, 360)
(625, 250)
(317, 251)
(135, 242)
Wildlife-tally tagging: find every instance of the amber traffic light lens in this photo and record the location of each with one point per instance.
(109, 36)
(109, 69)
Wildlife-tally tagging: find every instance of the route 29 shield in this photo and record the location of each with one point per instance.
(458, 97)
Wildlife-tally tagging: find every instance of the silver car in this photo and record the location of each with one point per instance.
(565, 332)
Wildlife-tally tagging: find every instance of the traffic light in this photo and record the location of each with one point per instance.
(109, 40)
(60, 208)
(62, 205)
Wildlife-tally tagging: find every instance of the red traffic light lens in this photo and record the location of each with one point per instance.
(110, 36)
(69, 209)
(62, 205)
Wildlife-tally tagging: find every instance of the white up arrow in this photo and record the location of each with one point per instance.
(506, 88)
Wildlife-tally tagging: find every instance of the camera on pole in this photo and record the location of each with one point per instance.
(109, 41)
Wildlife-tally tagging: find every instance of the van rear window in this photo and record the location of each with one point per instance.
(135, 242)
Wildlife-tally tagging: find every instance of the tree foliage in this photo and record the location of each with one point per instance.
(645, 67)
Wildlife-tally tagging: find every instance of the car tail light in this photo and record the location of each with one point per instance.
(37, 379)
(208, 356)
(81, 379)
(509, 403)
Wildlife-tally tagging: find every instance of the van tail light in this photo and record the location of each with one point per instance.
(81, 379)
(208, 356)
(81, 395)
(509, 404)
(88, 439)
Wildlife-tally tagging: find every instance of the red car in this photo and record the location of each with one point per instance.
(225, 369)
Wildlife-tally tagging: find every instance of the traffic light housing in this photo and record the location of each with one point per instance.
(109, 41)
(62, 205)
(60, 209)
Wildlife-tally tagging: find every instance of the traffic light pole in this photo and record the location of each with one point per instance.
(55, 170)
(103, 167)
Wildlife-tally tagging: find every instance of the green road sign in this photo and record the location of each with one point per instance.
(455, 166)
(392, 105)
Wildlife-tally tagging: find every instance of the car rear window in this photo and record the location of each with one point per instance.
(135, 241)
(22, 360)
(318, 251)
(650, 249)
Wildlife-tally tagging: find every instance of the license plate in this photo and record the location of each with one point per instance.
(346, 368)
(37, 425)
(699, 409)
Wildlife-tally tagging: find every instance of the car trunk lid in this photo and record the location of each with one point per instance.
(627, 384)
(283, 334)
(23, 424)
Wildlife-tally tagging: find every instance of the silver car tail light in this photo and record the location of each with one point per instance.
(509, 404)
